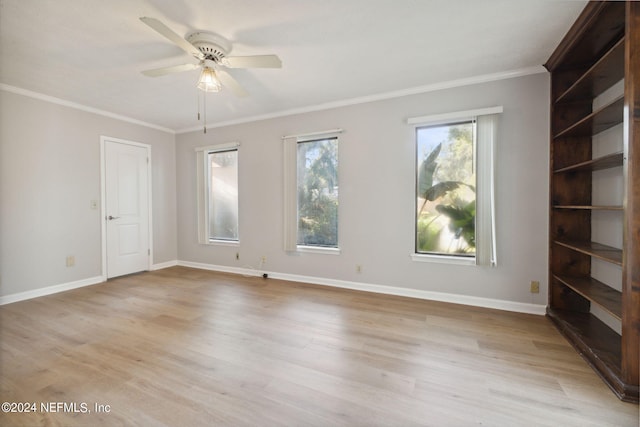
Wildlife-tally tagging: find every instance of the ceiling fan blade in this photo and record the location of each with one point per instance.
(157, 72)
(257, 61)
(231, 83)
(172, 36)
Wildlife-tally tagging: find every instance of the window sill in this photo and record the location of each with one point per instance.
(223, 243)
(318, 250)
(443, 259)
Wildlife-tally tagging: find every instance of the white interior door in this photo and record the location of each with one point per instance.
(126, 168)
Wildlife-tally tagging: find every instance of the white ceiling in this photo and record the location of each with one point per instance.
(91, 52)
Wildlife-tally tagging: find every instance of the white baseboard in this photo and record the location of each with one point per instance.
(518, 307)
(162, 265)
(21, 296)
(497, 304)
(222, 268)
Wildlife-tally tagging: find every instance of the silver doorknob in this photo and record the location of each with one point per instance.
(110, 217)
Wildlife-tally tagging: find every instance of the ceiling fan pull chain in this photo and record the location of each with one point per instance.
(205, 112)
(198, 101)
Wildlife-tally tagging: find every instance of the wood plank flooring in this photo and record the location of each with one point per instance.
(186, 347)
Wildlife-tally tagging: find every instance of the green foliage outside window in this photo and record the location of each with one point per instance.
(446, 194)
(318, 193)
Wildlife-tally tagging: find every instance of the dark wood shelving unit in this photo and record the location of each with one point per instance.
(600, 49)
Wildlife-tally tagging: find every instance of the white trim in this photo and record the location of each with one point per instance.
(456, 115)
(49, 290)
(485, 78)
(303, 136)
(443, 259)
(318, 250)
(219, 242)
(218, 147)
(74, 105)
(103, 197)
(163, 265)
(103, 208)
(221, 268)
(518, 307)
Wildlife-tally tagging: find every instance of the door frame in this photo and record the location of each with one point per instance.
(103, 192)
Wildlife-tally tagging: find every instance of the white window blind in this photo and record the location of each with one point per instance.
(487, 126)
(290, 198)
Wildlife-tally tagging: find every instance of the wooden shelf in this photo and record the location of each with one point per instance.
(600, 120)
(596, 292)
(594, 208)
(597, 250)
(598, 344)
(600, 77)
(606, 162)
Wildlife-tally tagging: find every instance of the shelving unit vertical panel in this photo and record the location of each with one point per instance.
(631, 169)
(572, 225)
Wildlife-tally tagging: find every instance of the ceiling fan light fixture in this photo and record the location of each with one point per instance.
(208, 81)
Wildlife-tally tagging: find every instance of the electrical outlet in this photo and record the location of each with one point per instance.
(71, 261)
(535, 287)
(358, 268)
(93, 204)
(263, 259)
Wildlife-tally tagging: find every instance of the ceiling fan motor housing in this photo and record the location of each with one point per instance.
(212, 46)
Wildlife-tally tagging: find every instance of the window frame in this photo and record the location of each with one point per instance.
(203, 172)
(484, 160)
(443, 255)
(316, 247)
(290, 198)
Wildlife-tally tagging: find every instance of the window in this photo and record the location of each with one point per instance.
(454, 191)
(223, 195)
(446, 189)
(217, 169)
(311, 192)
(317, 179)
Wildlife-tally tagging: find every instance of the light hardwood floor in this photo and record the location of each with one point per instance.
(185, 347)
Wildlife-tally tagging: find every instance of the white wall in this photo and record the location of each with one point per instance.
(377, 193)
(49, 173)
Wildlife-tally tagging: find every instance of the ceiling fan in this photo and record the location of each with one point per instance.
(211, 51)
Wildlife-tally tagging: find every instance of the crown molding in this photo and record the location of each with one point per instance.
(485, 78)
(81, 107)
